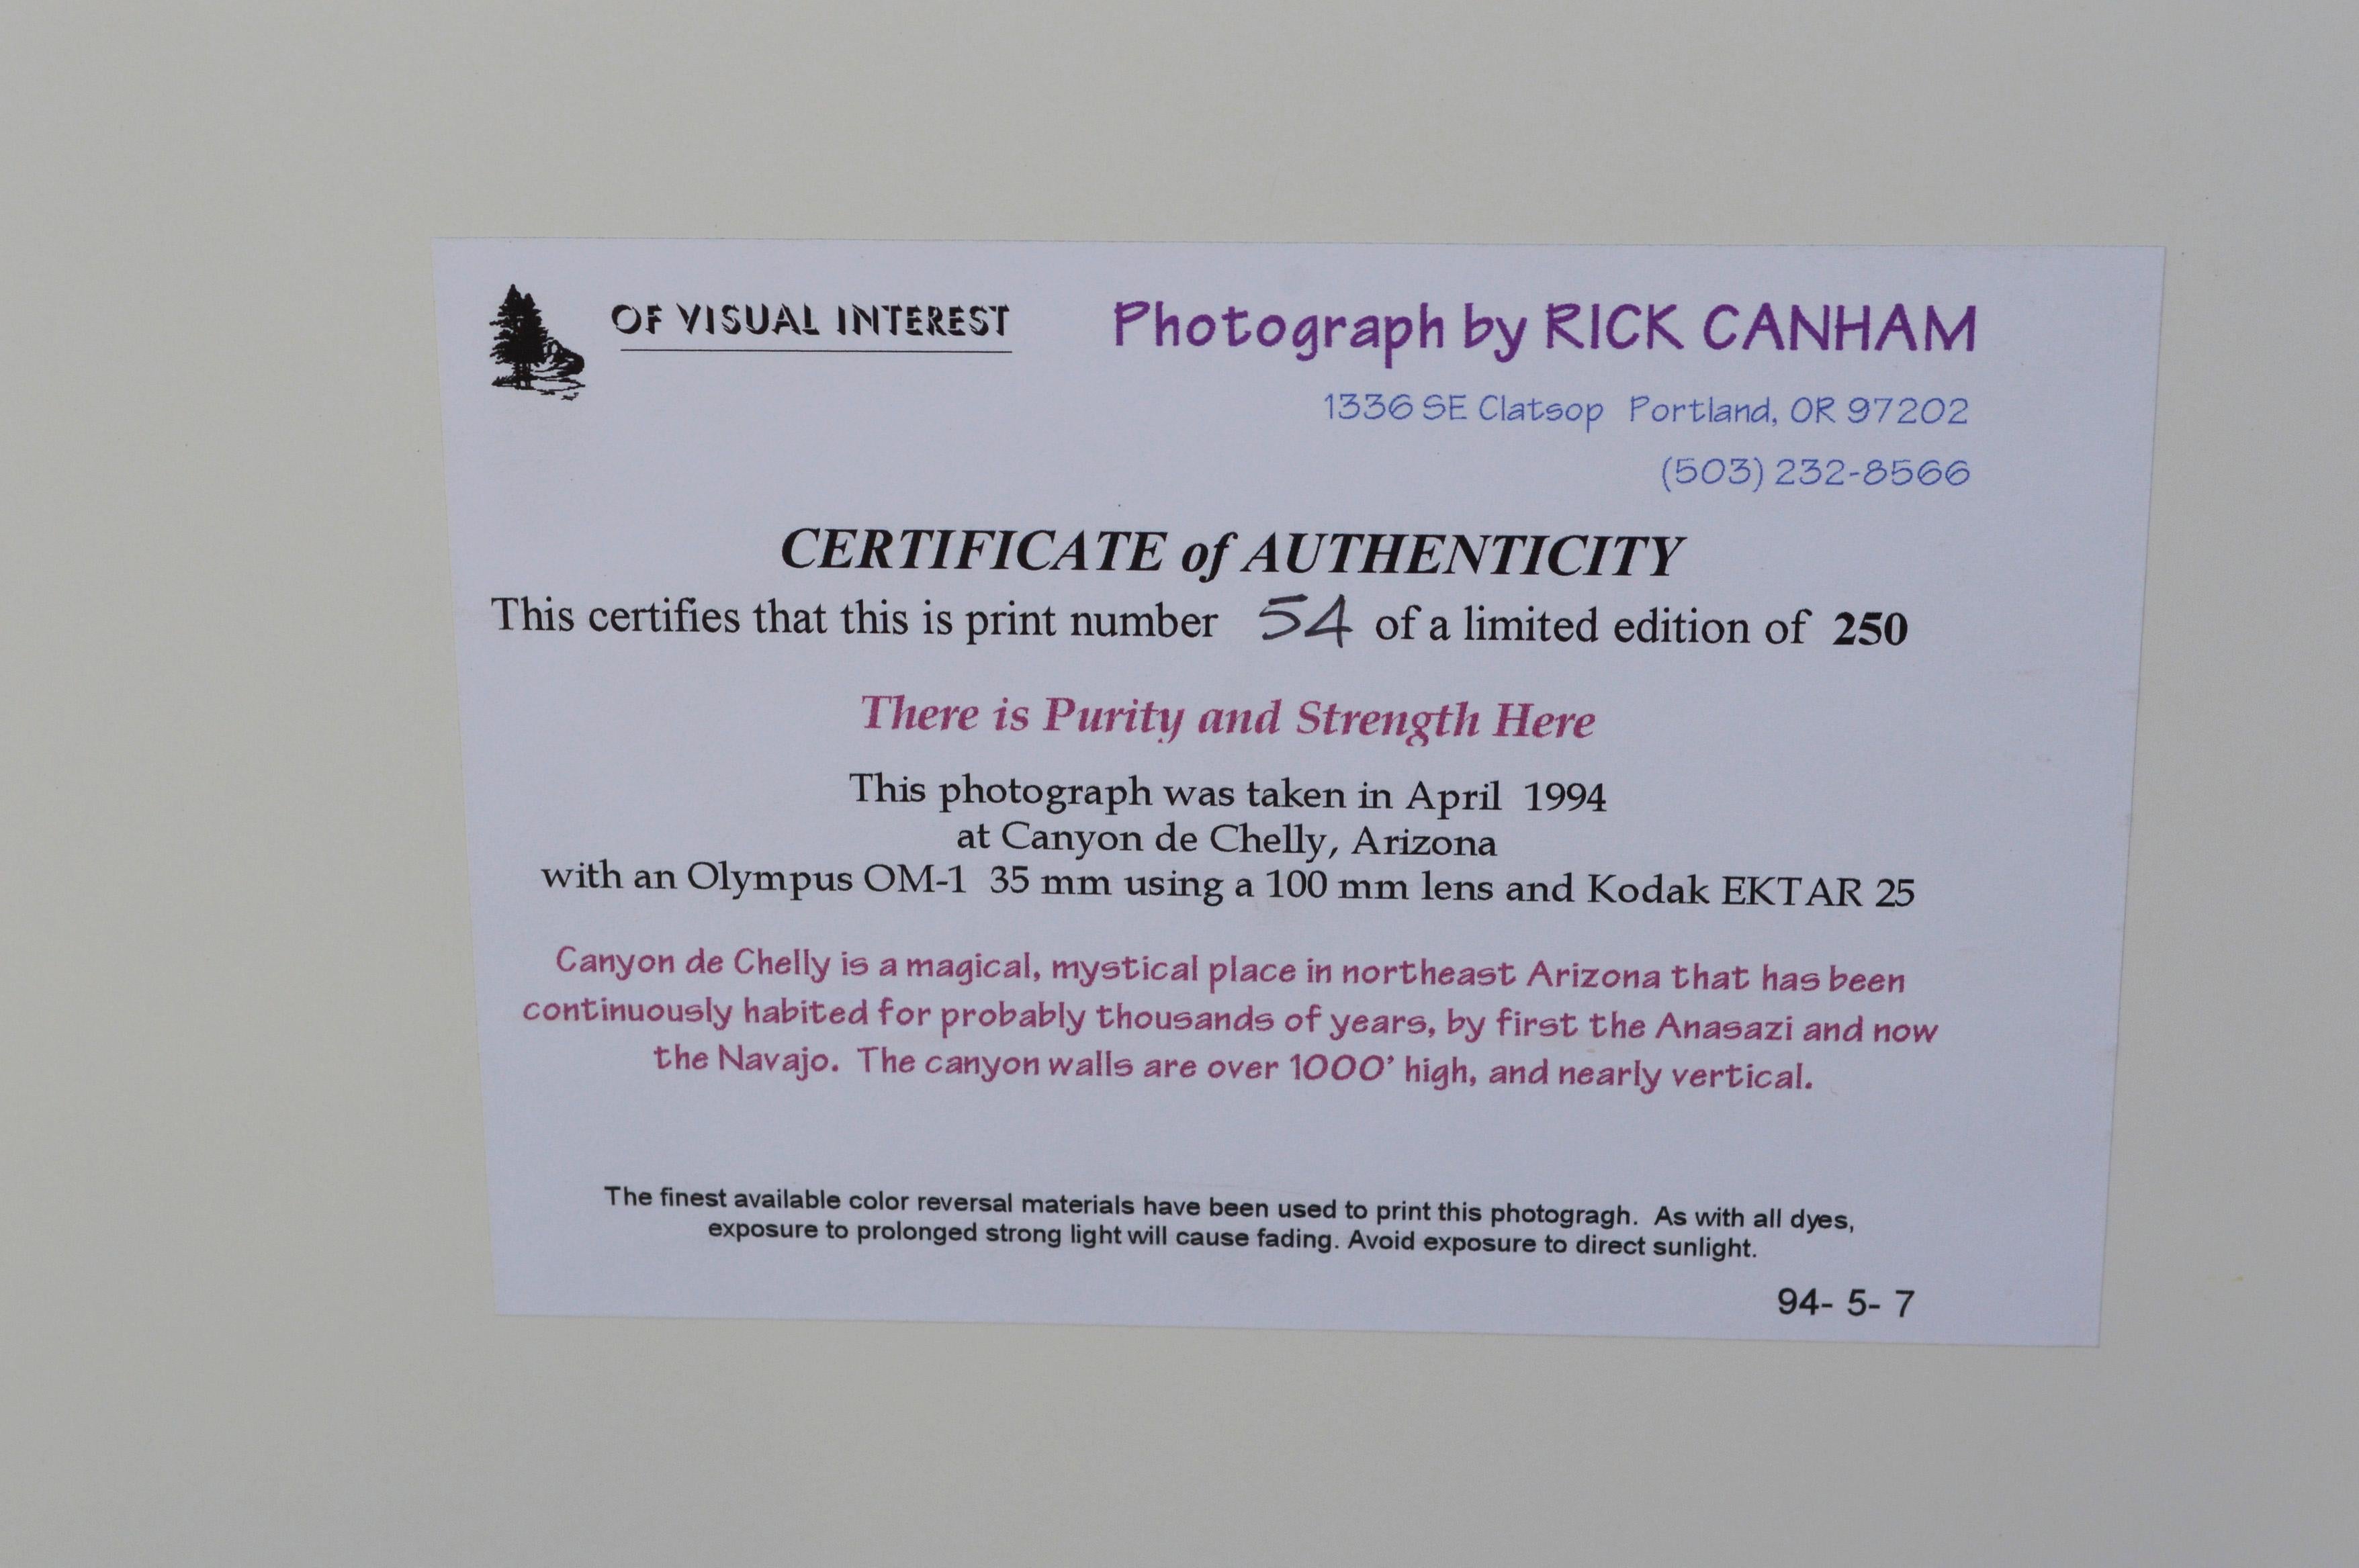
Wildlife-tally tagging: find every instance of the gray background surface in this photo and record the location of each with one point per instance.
(244, 1271)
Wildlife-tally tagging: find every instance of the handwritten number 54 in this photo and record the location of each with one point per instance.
(1330, 622)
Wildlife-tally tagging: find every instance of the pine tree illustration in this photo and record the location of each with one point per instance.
(522, 341)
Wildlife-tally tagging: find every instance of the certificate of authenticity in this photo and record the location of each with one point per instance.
(1526, 789)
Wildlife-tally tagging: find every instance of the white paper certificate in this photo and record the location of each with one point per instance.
(1404, 787)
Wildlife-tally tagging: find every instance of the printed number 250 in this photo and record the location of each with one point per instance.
(1889, 627)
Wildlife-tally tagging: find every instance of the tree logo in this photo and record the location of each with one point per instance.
(537, 362)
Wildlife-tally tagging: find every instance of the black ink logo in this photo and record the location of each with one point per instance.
(537, 362)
